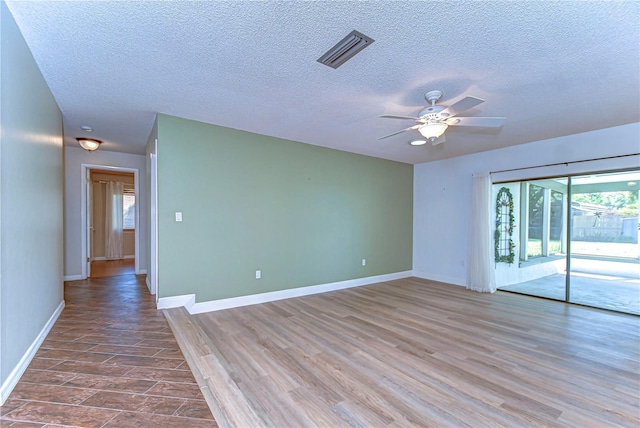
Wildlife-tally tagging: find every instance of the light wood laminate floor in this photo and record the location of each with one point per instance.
(415, 353)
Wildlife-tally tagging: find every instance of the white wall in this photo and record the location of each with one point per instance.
(31, 179)
(442, 190)
(74, 158)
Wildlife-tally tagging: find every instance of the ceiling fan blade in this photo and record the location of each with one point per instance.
(439, 141)
(391, 116)
(401, 131)
(486, 122)
(462, 105)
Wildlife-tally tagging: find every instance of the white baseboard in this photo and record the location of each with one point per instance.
(73, 278)
(147, 281)
(100, 259)
(24, 362)
(440, 278)
(142, 272)
(188, 301)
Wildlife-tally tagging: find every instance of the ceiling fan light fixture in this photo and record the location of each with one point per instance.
(418, 142)
(433, 131)
(89, 144)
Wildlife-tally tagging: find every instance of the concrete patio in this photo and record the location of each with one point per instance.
(606, 284)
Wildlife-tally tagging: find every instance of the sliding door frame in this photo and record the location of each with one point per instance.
(568, 219)
(567, 276)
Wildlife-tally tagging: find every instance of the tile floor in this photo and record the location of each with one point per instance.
(102, 268)
(109, 361)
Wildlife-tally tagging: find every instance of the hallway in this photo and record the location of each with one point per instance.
(110, 360)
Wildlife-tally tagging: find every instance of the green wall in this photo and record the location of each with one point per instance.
(302, 214)
(31, 201)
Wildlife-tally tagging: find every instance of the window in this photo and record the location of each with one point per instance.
(129, 210)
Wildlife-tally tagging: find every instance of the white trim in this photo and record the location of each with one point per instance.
(16, 373)
(440, 278)
(142, 272)
(136, 242)
(73, 278)
(153, 219)
(101, 259)
(188, 301)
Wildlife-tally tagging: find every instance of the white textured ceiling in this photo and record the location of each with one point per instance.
(552, 68)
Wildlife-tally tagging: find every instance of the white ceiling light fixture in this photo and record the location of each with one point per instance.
(433, 131)
(89, 144)
(86, 128)
(418, 142)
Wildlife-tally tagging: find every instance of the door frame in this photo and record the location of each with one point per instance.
(88, 190)
(84, 239)
(152, 274)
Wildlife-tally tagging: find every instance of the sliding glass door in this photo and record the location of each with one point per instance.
(578, 240)
(541, 245)
(605, 269)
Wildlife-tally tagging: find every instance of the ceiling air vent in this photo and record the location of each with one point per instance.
(345, 49)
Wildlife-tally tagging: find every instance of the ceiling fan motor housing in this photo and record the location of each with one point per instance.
(432, 113)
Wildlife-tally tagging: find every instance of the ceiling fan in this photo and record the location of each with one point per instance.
(435, 119)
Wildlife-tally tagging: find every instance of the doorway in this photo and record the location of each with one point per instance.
(106, 254)
(103, 265)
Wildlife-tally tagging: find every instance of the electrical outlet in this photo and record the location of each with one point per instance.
(178, 216)
(364, 262)
(258, 274)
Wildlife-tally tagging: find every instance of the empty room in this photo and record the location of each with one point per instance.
(330, 213)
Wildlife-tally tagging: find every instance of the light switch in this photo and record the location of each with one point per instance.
(178, 216)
